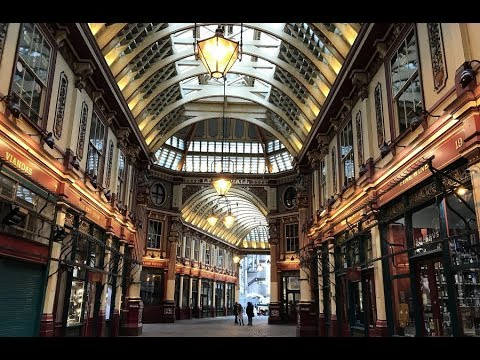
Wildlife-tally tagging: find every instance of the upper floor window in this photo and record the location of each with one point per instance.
(95, 146)
(154, 236)
(121, 176)
(188, 247)
(29, 83)
(207, 254)
(196, 249)
(323, 181)
(291, 236)
(346, 146)
(405, 80)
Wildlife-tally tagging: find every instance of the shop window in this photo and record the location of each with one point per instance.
(291, 237)
(405, 88)
(185, 291)
(95, 147)
(154, 235)
(74, 316)
(31, 76)
(426, 229)
(152, 282)
(194, 302)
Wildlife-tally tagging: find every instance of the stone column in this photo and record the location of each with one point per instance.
(225, 305)
(169, 303)
(118, 290)
(47, 324)
(306, 315)
(132, 325)
(274, 306)
(180, 298)
(381, 323)
(333, 330)
(237, 284)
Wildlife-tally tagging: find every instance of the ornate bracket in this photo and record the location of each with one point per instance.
(82, 70)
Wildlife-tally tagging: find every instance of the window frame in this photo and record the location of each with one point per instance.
(289, 239)
(101, 156)
(47, 89)
(392, 102)
(158, 236)
(350, 155)
(121, 178)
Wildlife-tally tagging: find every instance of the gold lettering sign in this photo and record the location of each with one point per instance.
(18, 163)
(414, 174)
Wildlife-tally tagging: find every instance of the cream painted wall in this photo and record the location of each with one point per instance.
(61, 66)
(8, 57)
(379, 77)
(454, 58)
(80, 98)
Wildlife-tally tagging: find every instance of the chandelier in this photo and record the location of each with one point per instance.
(217, 53)
(228, 220)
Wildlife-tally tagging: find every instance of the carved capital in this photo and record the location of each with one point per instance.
(314, 156)
(122, 134)
(97, 95)
(381, 48)
(334, 123)
(133, 150)
(273, 232)
(61, 36)
(82, 70)
(111, 116)
(302, 199)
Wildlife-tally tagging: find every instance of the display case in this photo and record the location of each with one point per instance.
(76, 303)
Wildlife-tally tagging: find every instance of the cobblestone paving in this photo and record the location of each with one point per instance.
(219, 327)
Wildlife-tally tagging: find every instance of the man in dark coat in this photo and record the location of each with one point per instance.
(235, 311)
(250, 313)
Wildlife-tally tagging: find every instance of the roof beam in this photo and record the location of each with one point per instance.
(264, 147)
(187, 144)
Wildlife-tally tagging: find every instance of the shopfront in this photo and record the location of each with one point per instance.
(206, 299)
(354, 280)
(27, 214)
(432, 274)
(290, 290)
(152, 293)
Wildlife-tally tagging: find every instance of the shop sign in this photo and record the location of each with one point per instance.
(150, 263)
(443, 154)
(26, 167)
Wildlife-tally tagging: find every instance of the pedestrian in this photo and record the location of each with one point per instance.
(240, 314)
(235, 311)
(250, 314)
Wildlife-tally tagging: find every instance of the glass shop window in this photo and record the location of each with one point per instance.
(426, 229)
(151, 289)
(74, 316)
(185, 291)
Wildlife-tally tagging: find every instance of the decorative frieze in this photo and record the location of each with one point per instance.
(3, 35)
(379, 114)
(437, 51)
(109, 163)
(359, 128)
(82, 130)
(60, 109)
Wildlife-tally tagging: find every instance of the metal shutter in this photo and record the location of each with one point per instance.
(21, 288)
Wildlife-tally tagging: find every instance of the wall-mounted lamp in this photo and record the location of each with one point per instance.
(421, 116)
(386, 147)
(75, 163)
(49, 140)
(468, 73)
(93, 181)
(12, 106)
(108, 195)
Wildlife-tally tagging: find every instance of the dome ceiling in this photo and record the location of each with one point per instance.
(277, 89)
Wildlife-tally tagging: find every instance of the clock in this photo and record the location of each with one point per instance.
(290, 197)
(157, 194)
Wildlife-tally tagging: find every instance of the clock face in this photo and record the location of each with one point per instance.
(157, 194)
(290, 197)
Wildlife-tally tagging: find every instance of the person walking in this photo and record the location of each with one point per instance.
(235, 311)
(240, 314)
(249, 311)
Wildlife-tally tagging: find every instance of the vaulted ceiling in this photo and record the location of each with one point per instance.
(275, 92)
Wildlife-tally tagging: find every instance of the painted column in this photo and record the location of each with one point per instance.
(274, 306)
(333, 330)
(118, 290)
(199, 298)
(132, 326)
(306, 314)
(225, 305)
(103, 298)
(237, 284)
(321, 313)
(381, 323)
(169, 303)
(214, 298)
(47, 324)
(180, 297)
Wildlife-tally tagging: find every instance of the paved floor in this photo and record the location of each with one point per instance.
(219, 327)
